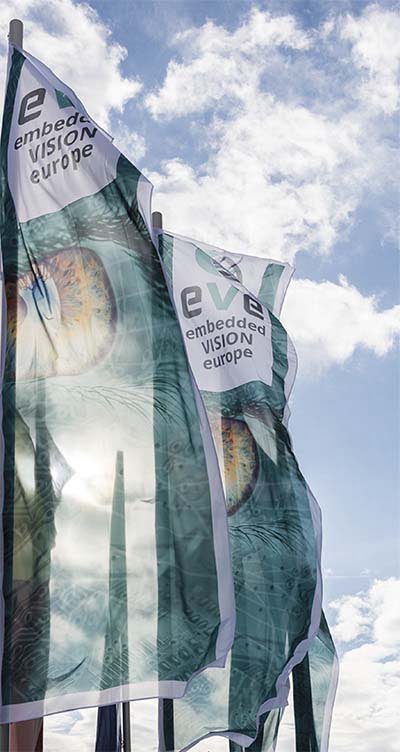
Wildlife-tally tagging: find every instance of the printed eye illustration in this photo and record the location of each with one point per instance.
(61, 315)
(238, 459)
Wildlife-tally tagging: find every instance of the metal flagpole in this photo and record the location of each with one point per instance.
(165, 707)
(156, 218)
(126, 726)
(16, 32)
(15, 36)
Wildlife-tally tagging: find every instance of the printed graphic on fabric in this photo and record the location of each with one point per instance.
(63, 313)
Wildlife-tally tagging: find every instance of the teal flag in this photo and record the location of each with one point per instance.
(244, 363)
(99, 409)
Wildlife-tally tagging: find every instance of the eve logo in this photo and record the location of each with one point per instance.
(30, 104)
(50, 145)
(191, 298)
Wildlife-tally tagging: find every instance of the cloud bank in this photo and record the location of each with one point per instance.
(329, 321)
(286, 169)
(368, 631)
(73, 41)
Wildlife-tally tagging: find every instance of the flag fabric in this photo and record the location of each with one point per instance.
(244, 363)
(94, 367)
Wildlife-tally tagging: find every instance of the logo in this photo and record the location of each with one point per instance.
(192, 297)
(225, 266)
(29, 106)
(226, 329)
(34, 99)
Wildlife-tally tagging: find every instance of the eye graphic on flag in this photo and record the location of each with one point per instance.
(237, 454)
(63, 313)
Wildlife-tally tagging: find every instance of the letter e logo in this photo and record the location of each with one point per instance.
(189, 297)
(253, 307)
(30, 102)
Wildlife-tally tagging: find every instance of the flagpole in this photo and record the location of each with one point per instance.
(15, 37)
(16, 32)
(126, 726)
(156, 218)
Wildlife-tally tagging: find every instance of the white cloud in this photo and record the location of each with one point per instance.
(353, 618)
(222, 64)
(72, 40)
(281, 175)
(280, 178)
(70, 732)
(76, 731)
(375, 40)
(366, 714)
(328, 321)
(130, 143)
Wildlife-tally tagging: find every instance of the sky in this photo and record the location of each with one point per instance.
(270, 128)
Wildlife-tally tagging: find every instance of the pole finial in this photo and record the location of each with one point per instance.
(156, 218)
(16, 32)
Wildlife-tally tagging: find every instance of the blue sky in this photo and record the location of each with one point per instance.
(271, 128)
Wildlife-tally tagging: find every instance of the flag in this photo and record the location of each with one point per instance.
(94, 364)
(244, 364)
